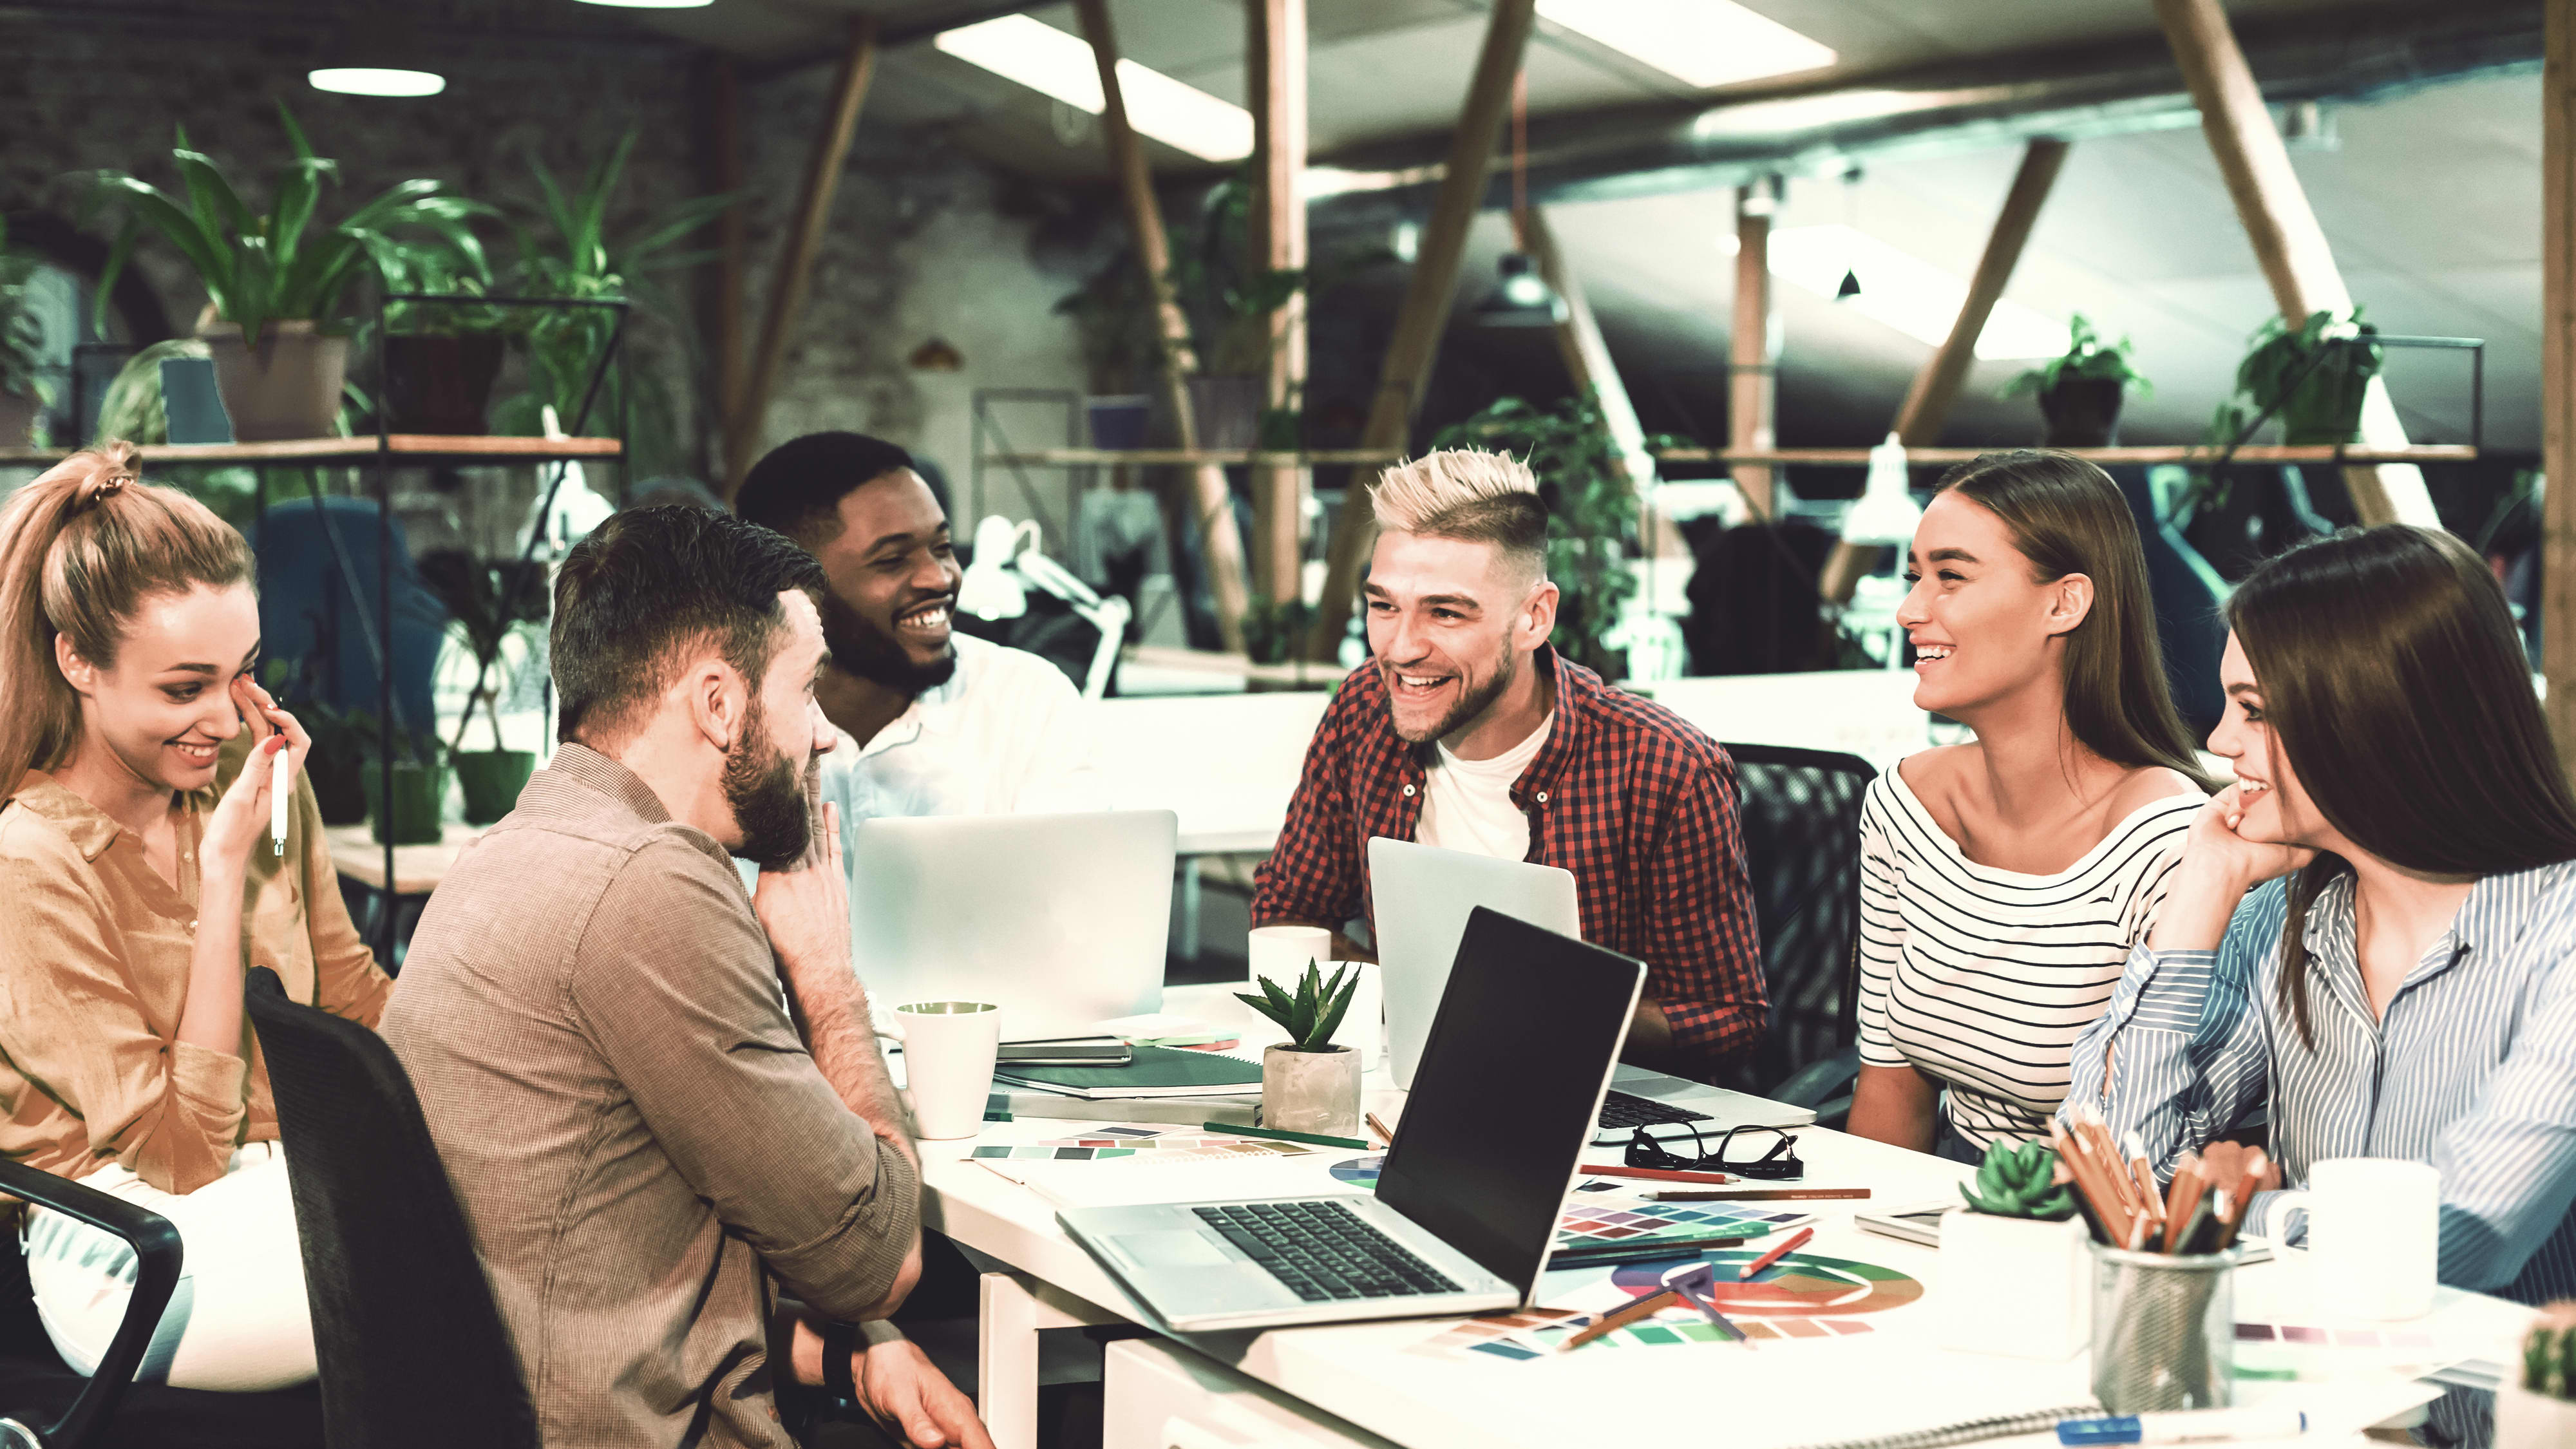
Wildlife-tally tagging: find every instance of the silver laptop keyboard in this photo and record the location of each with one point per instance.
(1623, 1109)
(1322, 1250)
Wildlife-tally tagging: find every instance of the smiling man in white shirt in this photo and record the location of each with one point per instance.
(932, 722)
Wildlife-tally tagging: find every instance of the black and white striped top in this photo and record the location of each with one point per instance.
(1984, 978)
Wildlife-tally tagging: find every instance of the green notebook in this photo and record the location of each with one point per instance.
(1155, 1072)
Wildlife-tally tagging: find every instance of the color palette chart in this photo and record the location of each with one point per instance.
(1805, 1296)
(1595, 1224)
(2310, 1337)
(1108, 1143)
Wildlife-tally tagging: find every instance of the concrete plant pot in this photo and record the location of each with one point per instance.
(286, 387)
(2525, 1420)
(2018, 1287)
(1315, 1092)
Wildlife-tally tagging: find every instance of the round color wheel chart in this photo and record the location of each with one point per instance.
(1801, 1285)
(1359, 1170)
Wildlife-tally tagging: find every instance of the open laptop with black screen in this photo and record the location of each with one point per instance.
(1467, 1200)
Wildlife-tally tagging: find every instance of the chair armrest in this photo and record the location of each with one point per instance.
(157, 1259)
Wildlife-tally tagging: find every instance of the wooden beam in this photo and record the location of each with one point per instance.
(796, 259)
(733, 245)
(1752, 356)
(2288, 244)
(2558, 371)
(1424, 313)
(1936, 386)
(1588, 363)
(1278, 66)
(1220, 542)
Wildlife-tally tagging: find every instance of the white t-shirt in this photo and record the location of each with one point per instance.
(1467, 804)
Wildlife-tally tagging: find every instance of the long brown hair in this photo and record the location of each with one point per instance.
(2396, 685)
(80, 549)
(2067, 517)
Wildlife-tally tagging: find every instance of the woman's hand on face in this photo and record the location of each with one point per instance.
(261, 713)
(2213, 844)
(241, 818)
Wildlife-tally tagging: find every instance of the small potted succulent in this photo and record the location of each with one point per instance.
(1307, 1083)
(2015, 1277)
(2080, 393)
(2537, 1408)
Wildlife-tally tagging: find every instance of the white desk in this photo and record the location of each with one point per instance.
(1369, 1375)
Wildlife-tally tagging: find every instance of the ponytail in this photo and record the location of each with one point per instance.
(81, 548)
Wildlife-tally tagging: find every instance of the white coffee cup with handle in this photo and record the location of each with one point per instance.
(1282, 953)
(2374, 1236)
(948, 1053)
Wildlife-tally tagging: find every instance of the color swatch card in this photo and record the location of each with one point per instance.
(1600, 1223)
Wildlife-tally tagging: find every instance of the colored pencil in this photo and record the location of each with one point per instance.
(1589, 1255)
(2183, 1206)
(1753, 1194)
(2109, 1216)
(1381, 1129)
(1646, 1307)
(1281, 1135)
(1787, 1246)
(2139, 1168)
(1657, 1174)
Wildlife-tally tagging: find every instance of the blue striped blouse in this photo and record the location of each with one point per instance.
(2473, 1069)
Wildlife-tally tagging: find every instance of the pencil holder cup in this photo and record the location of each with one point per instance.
(2020, 1287)
(2164, 1330)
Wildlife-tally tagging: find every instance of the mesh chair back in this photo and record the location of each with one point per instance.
(411, 1348)
(1800, 814)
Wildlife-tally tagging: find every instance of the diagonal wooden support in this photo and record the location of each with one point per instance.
(1278, 65)
(2288, 243)
(1588, 362)
(1753, 351)
(1927, 403)
(2558, 371)
(746, 414)
(1424, 312)
(1221, 543)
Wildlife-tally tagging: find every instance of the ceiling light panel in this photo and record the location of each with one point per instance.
(1701, 43)
(370, 80)
(1904, 291)
(1050, 62)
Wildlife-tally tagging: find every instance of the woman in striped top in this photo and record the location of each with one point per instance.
(2403, 982)
(2003, 881)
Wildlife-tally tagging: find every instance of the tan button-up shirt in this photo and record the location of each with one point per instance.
(592, 1017)
(94, 952)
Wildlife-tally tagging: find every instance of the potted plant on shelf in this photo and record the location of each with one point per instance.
(574, 253)
(1307, 1083)
(489, 602)
(2015, 1276)
(2313, 377)
(2537, 1409)
(24, 392)
(1591, 515)
(442, 357)
(420, 785)
(274, 285)
(2080, 393)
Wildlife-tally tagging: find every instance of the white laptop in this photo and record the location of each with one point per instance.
(1423, 896)
(1467, 1201)
(1064, 920)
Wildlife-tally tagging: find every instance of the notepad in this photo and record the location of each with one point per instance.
(1155, 1072)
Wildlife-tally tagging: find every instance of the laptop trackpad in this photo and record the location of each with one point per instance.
(1170, 1250)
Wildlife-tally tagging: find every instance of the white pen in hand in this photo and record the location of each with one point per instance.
(278, 786)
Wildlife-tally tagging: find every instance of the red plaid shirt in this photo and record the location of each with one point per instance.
(1625, 794)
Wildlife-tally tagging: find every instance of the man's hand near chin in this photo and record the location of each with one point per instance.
(911, 1399)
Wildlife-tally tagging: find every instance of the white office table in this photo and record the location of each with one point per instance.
(1368, 1374)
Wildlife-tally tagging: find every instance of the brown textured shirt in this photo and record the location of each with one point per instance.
(94, 952)
(592, 1017)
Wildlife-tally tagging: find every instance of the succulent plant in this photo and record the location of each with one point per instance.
(2019, 1181)
(1311, 1016)
(2549, 1353)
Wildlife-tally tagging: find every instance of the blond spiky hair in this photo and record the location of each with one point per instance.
(1467, 494)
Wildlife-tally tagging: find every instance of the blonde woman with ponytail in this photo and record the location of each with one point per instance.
(137, 750)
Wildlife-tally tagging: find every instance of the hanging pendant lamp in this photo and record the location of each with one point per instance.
(1524, 299)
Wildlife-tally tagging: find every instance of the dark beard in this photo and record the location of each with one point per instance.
(869, 652)
(767, 797)
(1469, 706)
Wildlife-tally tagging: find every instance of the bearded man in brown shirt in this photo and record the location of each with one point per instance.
(653, 1092)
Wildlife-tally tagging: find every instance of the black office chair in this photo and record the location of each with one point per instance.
(411, 1347)
(1799, 811)
(43, 1403)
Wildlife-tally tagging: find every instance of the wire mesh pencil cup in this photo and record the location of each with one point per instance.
(2164, 1330)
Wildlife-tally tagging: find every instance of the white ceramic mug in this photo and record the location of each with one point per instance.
(948, 1052)
(1282, 952)
(2374, 1236)
(1363, 1027)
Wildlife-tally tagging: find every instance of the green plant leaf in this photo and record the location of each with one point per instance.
(1306, 988)
(1339, 1005)
(1265, 1007)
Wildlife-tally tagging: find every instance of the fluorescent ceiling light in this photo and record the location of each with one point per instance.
(1700, 42)
(1049, 61)
(371, 80)
(1903, 290)
(651, 4)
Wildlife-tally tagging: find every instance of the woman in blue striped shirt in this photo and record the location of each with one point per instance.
(2403, 982)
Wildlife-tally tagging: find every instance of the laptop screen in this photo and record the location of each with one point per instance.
(1510, 1082)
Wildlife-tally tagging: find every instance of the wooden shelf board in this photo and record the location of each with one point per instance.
(476, 447)
(1089, 457)
(2169, 453)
